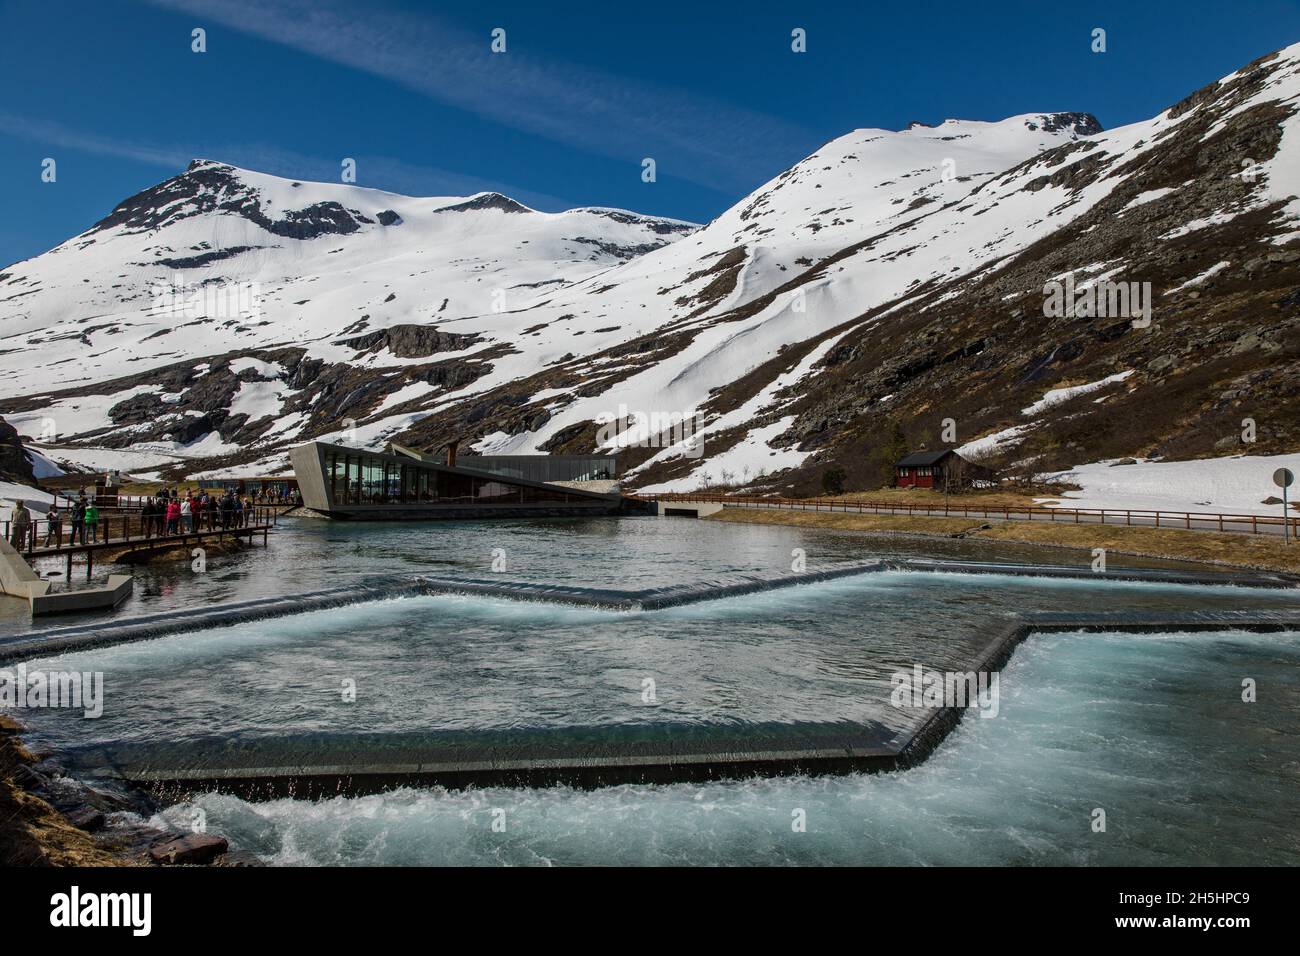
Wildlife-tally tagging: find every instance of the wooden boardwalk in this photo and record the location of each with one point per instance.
(131, 531)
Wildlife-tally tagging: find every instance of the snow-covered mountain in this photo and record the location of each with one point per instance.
(324, 260)
(221, 261)
(888, 282)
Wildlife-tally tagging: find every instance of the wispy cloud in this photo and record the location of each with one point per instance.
(380, 171)
(712, 143)
(55, 134)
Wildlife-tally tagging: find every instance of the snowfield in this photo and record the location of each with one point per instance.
(12, 491)
(1236, 485)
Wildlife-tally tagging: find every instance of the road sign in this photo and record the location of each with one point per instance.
(1283, 478)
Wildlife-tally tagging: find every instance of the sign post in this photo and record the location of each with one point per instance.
(1283, 478)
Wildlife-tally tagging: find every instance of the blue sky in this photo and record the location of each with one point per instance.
(584, 91)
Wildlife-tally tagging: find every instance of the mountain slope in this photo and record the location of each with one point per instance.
(1200, 202)
(104, 339)
(888, 282)
(937, 312)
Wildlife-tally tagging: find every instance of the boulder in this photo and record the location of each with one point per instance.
(86, 818)
(194, 849)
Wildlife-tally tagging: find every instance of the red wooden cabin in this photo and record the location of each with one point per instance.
(934, 469)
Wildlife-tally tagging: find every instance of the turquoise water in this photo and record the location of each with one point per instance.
(1150, 729)
(822, 652)
(624, 553)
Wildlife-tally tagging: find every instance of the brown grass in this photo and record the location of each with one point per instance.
(1260, 552)
(982, 498)
(841, 521)
(32, 833)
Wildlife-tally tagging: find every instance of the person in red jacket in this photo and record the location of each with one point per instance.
(173, 516)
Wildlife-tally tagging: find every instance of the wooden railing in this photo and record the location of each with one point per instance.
(131, 526)
(1193, 520)
(136, 502)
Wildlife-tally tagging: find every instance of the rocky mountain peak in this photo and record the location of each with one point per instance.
(1081, 124)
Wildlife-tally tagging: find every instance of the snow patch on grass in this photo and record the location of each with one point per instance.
(1058, 395)
(1236, 485)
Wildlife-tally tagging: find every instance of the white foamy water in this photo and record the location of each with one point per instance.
(1151, 729)
(815, 653)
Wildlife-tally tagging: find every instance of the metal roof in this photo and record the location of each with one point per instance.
(923, 458)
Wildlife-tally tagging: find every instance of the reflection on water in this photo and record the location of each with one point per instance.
(625, 553)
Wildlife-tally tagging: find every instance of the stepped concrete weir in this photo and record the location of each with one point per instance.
(323, 764)
(51, 640)
(82, 636)
(265, 764)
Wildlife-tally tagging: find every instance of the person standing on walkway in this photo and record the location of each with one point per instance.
(20, 526)
(173, 516)
(53, 525)
(92, 522)
(78, 535)
(187, 514)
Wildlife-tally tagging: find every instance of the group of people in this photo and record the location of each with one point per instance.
(83, 517)
(270, 497)
(165, 513)
(83, 524)
(169, 513)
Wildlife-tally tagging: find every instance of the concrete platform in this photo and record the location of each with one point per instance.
(17, 579)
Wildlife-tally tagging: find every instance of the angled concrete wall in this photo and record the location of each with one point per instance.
(308, 462)
(16, 576)
(17, 579)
